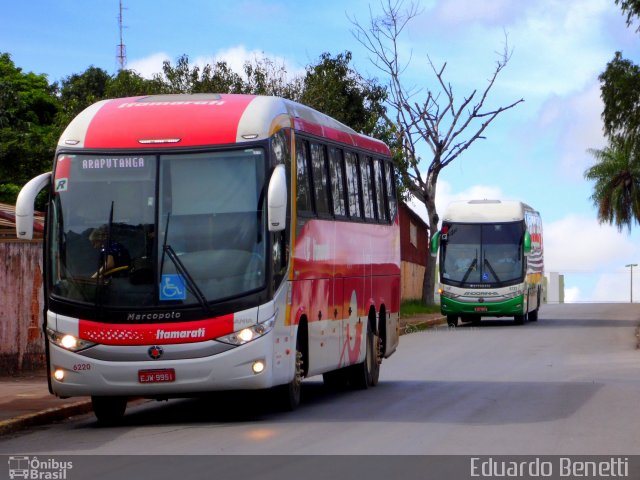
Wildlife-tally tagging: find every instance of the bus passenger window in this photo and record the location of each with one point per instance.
(367, 188)
(337, 183)
(303, 195)
(380, 197)
(320, 187)
(353, 185)
(391, 189)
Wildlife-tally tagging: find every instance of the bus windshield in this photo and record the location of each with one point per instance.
(107, 248)
(482, 255)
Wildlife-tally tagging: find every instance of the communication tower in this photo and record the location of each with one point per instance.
(121, 52)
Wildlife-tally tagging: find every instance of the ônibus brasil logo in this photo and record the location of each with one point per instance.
(35, 468)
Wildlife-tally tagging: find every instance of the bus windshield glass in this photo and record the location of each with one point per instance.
(106, 248)
(483, 255)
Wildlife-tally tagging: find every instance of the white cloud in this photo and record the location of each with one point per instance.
(148, 66)
(456, 12)
(572, 295)
(616, 287)
(235, 57)
(580, 244)
(445, 195)
(557, 47)
(577, 122)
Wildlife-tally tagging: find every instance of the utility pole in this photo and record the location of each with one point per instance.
(631, 265)
(121, 52)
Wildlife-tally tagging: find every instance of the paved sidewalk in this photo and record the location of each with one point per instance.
(25, 400)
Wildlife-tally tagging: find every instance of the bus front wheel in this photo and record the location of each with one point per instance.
(452, 320)
(289, 395)
(109, 410)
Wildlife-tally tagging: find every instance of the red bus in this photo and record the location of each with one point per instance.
(197, 243)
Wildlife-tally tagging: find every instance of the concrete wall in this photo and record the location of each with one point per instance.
(21, 305)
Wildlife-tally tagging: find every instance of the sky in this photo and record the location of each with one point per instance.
(536, 152)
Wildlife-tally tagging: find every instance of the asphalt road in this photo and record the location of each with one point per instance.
(567, 384)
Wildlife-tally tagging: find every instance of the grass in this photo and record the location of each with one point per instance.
(409, 308)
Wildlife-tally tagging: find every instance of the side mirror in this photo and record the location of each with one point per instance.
(527, 243)
(277, 200)
(25, 203)
(435, 243)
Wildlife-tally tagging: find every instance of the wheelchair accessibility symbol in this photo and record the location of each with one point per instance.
(172, 288)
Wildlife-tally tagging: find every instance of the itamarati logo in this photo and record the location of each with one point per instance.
(38, 469)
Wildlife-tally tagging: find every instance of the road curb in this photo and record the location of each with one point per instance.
(409, 326)
(45, 416)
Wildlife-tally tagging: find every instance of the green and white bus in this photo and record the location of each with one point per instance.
(491, 261)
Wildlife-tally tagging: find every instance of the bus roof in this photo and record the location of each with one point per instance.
(201, 119)
(484, 211)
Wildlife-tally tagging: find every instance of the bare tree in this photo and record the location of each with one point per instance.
(430, 116)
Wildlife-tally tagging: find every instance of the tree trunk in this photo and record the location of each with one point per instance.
(429, 283)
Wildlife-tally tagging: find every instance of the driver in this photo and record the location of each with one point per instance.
(113, 256)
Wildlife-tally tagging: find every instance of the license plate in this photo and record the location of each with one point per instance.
(481, 309)
(157, 376)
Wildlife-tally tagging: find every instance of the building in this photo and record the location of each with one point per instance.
(414, 252)
(21, 296)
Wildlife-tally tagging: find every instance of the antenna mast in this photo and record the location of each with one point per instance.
(121, 52)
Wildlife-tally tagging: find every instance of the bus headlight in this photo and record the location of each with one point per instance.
(67, 341)
(249, 334)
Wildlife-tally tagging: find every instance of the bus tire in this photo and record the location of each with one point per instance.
(452, 320)
(367, 373)
(533, 316)
(109, 410)
(289, 395)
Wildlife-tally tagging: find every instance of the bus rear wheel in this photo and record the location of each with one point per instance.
(367, 373)
(109, 410)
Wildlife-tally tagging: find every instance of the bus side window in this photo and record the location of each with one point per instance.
(303, 194)
(391, 189)
(367, 188)
(383, 215)
(353, 188)
(337, 181)
(320, 186)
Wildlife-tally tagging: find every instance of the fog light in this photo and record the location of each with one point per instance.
(258, 366)
(59, 374)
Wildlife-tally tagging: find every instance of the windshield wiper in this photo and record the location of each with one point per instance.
(181, 269)
(493, 272)
(469, 270)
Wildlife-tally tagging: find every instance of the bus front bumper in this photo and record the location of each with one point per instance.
(507, 308)
(230, 370)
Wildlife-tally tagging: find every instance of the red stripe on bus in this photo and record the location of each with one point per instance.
(156, 333)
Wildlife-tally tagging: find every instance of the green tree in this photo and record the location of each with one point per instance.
(128, 83)
(620, 92)
(80, 90)
(616, 192)
(333, 87)
(616, 172)
(631, 8)
(28, 132)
